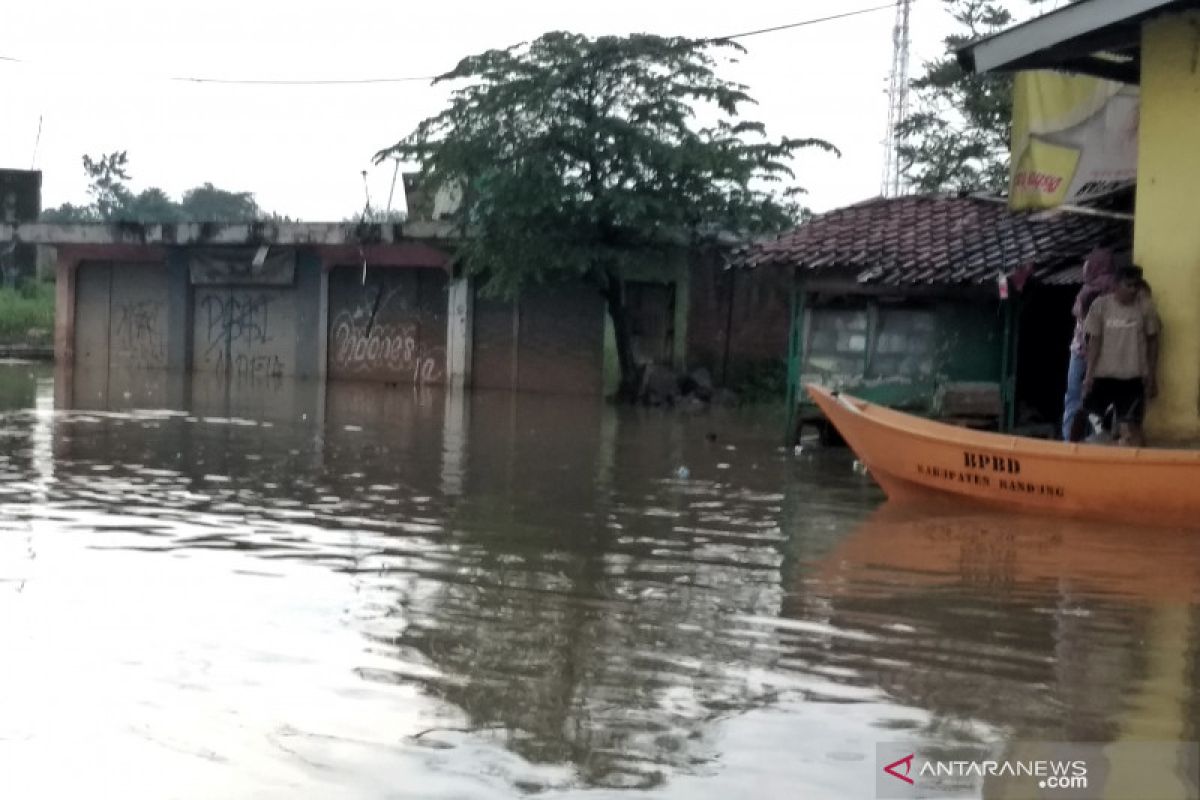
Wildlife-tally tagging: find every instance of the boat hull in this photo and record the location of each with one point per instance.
(915, 459)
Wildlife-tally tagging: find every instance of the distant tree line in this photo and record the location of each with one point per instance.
(112, 200)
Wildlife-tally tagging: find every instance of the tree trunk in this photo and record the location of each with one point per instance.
(614, 296)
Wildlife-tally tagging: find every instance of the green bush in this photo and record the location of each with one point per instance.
(27, 313)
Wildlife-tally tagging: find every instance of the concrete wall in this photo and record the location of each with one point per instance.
(1166, 236)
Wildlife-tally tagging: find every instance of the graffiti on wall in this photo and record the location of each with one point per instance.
(139, 333)
(235, 329)
(360, 343)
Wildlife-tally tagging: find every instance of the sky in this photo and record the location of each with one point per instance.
(98, 76)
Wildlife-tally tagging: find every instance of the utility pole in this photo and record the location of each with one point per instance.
(897, 99)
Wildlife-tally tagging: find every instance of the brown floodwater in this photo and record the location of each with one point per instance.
(282, 590)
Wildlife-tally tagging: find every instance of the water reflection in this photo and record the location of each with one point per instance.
(297, 589)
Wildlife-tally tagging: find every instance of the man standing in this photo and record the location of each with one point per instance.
(1122, 357)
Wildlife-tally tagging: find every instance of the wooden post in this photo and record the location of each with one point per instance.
(795, 366)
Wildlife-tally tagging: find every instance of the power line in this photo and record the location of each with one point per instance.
(418, 78)
(353, 81)
(806, 22)
(302, 82)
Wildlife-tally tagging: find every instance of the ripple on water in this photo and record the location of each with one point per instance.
(401, 602)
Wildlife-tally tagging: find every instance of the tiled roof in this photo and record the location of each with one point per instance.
(944, 241)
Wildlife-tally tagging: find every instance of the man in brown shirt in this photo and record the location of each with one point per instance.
(1122, 357)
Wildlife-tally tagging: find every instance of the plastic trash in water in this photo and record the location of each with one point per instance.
(859, 467)
(683, 473)
(798, 449)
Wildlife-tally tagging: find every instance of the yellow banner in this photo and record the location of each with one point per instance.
(1074, 138)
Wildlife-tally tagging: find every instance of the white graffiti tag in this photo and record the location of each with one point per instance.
(383, 347)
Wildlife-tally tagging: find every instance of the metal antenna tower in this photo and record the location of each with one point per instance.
(897, 99)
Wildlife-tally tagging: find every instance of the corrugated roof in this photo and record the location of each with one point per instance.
(941, 241)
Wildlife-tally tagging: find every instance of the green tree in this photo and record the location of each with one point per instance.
(113, 200)
(152, 205)
(107, 186)
(207, 203)
(585, 159)
(69, 213)
(957, 138)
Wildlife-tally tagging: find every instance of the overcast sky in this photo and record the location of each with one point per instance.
(97, 72)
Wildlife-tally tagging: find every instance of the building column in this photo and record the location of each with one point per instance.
(456, 425)
(1167, 238)
(323, 323)
(64, 308)
(683, 307)
(460, 315)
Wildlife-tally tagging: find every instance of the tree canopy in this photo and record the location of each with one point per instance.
(957, 138)
(590, 158)
(112, 200)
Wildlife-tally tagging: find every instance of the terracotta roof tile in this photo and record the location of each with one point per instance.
(926, 240)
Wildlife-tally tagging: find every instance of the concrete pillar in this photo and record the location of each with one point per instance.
(1167, 238)
(179, 313)
(64, 309)
(323, 325)
(455, 433)
(460, 313)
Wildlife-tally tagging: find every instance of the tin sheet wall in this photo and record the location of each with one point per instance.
(550, 340)
(390, 328)
(122, 331)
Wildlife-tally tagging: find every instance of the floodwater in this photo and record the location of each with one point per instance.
(279, 591)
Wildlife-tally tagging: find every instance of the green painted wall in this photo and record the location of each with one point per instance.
(899, 355)
(675, 272)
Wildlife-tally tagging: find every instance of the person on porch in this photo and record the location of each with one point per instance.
(1098, 277)
(1122, 330)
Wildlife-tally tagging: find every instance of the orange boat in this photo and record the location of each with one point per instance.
(914, 458)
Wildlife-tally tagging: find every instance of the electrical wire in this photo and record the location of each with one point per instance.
(302, 82)
(420, 78)
(804, 23)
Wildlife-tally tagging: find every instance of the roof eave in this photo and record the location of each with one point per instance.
(1032, 44)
